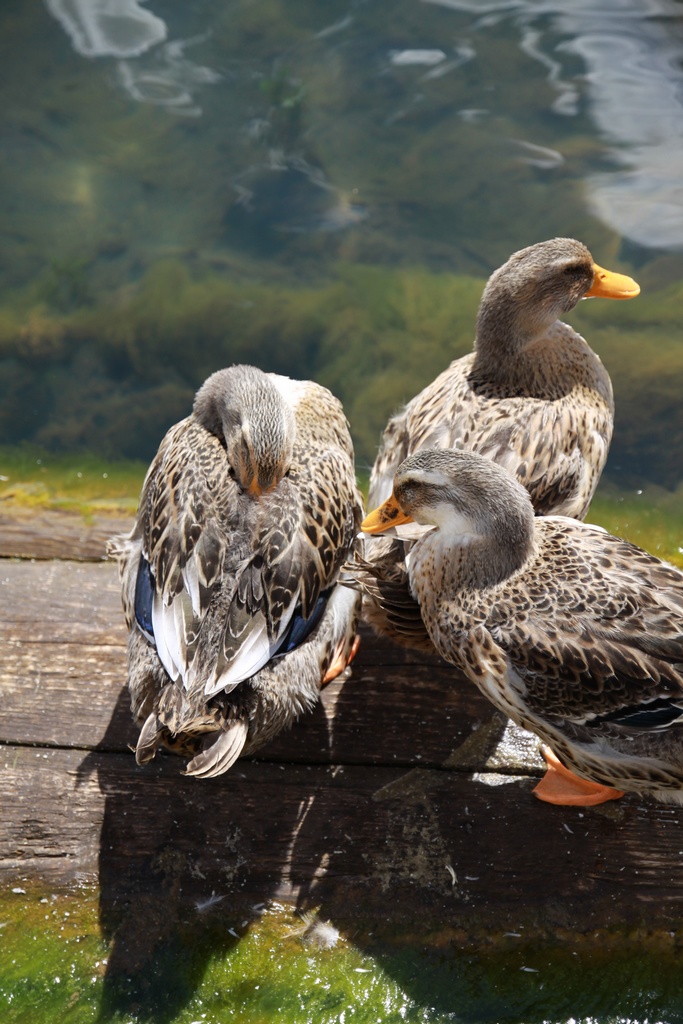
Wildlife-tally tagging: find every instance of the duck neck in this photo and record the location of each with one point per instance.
(443, 565)
(507, 348)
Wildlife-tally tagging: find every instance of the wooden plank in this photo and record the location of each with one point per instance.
(60, 602)
(56, 533)
(372, 847)
(62, 676)
(400, 775)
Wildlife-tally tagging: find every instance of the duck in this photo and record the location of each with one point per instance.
(231, 574)
(532, 396)
(574, 634)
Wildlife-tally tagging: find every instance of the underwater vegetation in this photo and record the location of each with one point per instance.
(90, 386)
(112, 374)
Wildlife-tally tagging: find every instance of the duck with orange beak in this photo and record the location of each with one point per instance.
(532, 396)
(572, 633)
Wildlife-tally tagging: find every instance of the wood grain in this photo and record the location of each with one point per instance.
(400, 804)
(56, 533)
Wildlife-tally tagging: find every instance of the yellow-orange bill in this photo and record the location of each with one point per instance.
(253, 489)
(383, 518)
(612, 286)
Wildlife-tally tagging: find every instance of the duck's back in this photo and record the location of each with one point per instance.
(224, 585)
(551, 430)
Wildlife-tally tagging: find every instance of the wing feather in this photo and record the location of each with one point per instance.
(556, 448)
(599, 636)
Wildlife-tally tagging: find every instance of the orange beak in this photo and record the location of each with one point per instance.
(383, 518)
(612, 286)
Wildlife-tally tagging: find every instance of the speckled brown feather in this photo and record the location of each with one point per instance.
(246, 559)
(532, 396)
(586, 627)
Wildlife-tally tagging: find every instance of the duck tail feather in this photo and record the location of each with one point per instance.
(221, 754)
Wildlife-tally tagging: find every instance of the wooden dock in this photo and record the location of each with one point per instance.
(401, 806)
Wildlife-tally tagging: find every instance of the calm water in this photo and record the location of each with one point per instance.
(321, 189)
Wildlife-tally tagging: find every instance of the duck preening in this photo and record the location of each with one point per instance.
(572, 633)
(231, 573)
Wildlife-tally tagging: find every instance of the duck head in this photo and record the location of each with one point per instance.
(470, 501)
(244, 408)
(537, 286)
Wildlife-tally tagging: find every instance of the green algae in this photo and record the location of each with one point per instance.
(641, 345)
(33, 477)
(114, 375)
(270, 970)
(53, 958)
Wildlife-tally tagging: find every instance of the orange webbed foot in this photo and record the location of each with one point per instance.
(561, 786)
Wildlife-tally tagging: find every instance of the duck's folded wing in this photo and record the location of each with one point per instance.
(557, 455)
(653, 715)
(263, 603)
(184, 509)
(381, 577)
(600, 639)
(305, 531)
(599, 680)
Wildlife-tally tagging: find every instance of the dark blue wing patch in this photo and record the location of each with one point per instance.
(144, 598)
(299, 628)
(659, 713)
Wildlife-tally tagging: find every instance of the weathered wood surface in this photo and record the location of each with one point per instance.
(56, 533)
(394, 805)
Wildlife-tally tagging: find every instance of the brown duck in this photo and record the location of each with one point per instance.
(572, 633)
(532, 396)
(231, 573)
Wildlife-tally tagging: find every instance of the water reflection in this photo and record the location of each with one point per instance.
(631, 52)
(623, 58)
(253, 159)
(123, 29)
(168, 78)
(108, 28)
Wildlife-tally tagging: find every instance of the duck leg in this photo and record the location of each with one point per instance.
(340, 661)
(560, 786)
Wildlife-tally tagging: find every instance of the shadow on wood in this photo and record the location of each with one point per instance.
(399, 809)
(414, 857)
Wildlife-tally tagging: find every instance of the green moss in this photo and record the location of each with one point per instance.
(34, 477)
(53, 958)
(55, 967)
